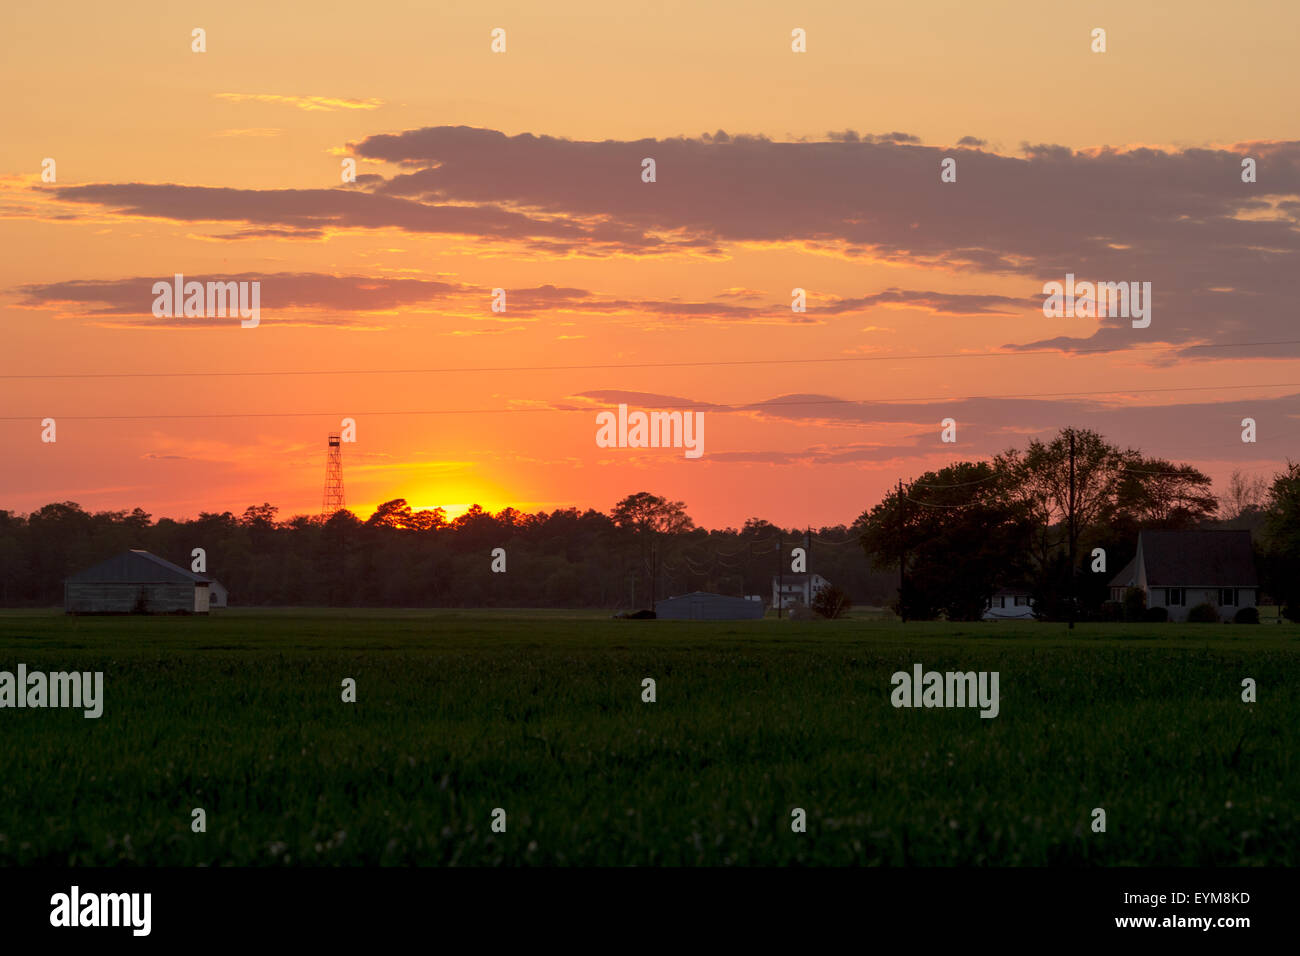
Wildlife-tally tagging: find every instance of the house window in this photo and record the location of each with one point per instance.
(1021, 600)
(1174, 597)
(1228, 597)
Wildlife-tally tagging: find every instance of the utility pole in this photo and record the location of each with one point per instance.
(654, 569)
(1072, 526)
(807, 556)
(780, 574)
(902, 556)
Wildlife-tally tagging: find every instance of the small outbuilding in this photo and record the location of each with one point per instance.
(1009, 604)
(703, 606)
(138, 582)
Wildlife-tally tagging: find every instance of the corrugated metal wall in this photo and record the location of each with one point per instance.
(708, 607)
(125, 598)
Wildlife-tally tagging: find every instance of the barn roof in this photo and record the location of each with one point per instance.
(137, 567)
(1198, 558)
(702, 594)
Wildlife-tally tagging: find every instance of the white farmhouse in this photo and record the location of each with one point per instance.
(791, 589)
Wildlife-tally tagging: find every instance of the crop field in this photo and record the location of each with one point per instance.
(540, 714)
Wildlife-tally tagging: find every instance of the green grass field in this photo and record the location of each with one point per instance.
(540, 713)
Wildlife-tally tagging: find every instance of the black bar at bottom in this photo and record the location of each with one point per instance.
(332, 905)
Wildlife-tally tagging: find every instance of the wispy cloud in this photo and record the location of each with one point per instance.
(318, 104)
(253, 131)
(293, 298)
(1180, 219)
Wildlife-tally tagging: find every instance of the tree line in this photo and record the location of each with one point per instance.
(1060, 519)
(645, 547)
(935, 546)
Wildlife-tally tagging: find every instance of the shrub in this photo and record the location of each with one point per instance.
(1156, 615)
(1203, 613)
(1112, 611)
(831, 602)
(1246, 615)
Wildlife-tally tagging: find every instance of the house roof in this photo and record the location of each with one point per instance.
(1128, 577)
(792, 577)
(137, 567)
(1198, 558)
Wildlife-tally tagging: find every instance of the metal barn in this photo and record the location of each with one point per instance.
(137, 582)
(703, 606)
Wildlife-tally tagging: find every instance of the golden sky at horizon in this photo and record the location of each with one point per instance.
(115, 95)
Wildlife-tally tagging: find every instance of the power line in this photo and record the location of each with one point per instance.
(834, 544)
(926, 504)
(1141, 471)
(702, 406)
(958, 484)
(1123, 471)
(1121, 474)
(733, 554)
(888, 357)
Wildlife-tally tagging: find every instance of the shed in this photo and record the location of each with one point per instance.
(137, 582)
(703, 606)
(1009, 604)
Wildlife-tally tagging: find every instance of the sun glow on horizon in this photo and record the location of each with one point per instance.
(453, 511)
(431, 502)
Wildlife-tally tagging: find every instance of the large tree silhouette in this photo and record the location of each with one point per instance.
(649, 517)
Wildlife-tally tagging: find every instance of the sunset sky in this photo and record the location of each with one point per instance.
(522, 170)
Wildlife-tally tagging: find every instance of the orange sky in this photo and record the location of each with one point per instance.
(227, 164)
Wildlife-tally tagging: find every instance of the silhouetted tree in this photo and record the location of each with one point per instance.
(649, 517)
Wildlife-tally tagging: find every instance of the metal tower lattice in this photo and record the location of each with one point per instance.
(333, 501)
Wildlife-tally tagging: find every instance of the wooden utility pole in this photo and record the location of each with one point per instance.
(902, 556)
(654, 570)
(780, 574)
(807, 561)
(1072, 527)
